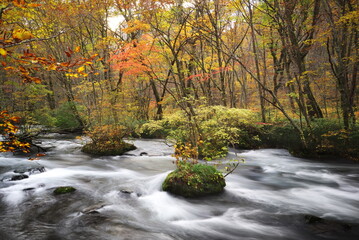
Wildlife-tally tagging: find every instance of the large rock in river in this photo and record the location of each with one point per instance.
(194, 180)
(108, 148)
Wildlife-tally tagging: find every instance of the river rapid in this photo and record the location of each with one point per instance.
(272, 195)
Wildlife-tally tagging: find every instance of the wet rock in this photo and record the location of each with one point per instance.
(194, 180)
(64, 190)
(143, 154)
(37, 141)
(311, 219)
(257, 169)
(320, 226)
(93, 209)
(19, 177)
(126, 191)
(107, 149)
(30, 167)
(28, 189)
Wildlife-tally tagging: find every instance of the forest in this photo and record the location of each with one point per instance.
(179, 119)
(85, 65)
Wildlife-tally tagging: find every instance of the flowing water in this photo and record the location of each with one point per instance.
(267, 197)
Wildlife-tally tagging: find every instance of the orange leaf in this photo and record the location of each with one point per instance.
(33, 5)
(15, 119)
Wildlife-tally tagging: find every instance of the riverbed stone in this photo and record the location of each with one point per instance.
(321, 226)
(19, 177)
(29, 167)
(93, 209)
(64, 190)
(194, 180)
(126, 191)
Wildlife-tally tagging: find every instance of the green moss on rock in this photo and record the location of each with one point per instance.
(64, 189)
(108, 148)
(194, 180)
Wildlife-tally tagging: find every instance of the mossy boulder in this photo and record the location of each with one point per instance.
(194, 180)
(64, 189)
(108, 148)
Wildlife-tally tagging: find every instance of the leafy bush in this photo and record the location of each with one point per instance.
(107, 140)
(339, 143)
(325, 138)
(65, 118)
(280, 135)
(44, 117)
(130, 124)
(152, 129)
(218, 127)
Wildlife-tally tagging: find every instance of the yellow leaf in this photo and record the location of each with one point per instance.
(3, 52)
(81, 69)
(52, 67)
(22, 34)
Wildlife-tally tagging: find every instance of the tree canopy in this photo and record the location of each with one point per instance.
(63, 65)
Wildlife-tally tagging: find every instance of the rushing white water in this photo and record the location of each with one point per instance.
(120, 197)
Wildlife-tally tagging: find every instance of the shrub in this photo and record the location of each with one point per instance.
(44, 117)
(325, 138)
(218, 126)
(280, 135)
(65, 118)
(107, 140)
(152, 129)
(340, 142)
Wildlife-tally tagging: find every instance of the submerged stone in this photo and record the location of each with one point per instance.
(64, 189)
(93, 209)
(194, 180)
(320, 226)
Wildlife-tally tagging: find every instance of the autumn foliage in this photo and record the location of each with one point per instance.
(124, 63)
(107, 140)
(8, 129)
